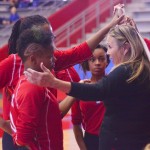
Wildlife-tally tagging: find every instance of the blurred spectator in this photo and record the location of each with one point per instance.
(13, 17)
(14, 3)
(22, 3)
(3, 22)
(35, 3)
(25, 3)
(28, 3)
(13, 14)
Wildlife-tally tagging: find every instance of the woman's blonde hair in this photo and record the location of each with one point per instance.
(136, 56)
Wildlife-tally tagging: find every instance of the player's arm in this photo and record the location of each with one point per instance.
(66, 104)
(5, 125)
(76, 118)
(78, 133)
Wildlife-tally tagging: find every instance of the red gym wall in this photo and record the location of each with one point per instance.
(67, 13)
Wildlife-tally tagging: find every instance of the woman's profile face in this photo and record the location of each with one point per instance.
(113, 50)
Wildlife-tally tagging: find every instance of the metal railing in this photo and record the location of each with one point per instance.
(79, 22)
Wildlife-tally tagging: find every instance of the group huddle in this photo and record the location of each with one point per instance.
(113, 109)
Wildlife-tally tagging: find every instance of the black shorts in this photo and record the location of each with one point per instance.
(91, 141)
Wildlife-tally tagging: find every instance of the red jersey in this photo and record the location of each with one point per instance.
(147, 42)
(35, 117)
(89, 114)
(70, 57)
(11, 69)
(69, 74)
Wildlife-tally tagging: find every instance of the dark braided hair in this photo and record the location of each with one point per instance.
(21, 25)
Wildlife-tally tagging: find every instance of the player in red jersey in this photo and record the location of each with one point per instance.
(69, 74)
(90, 114)
(35, 115)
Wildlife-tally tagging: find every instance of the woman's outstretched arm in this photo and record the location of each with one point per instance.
(46, 79)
